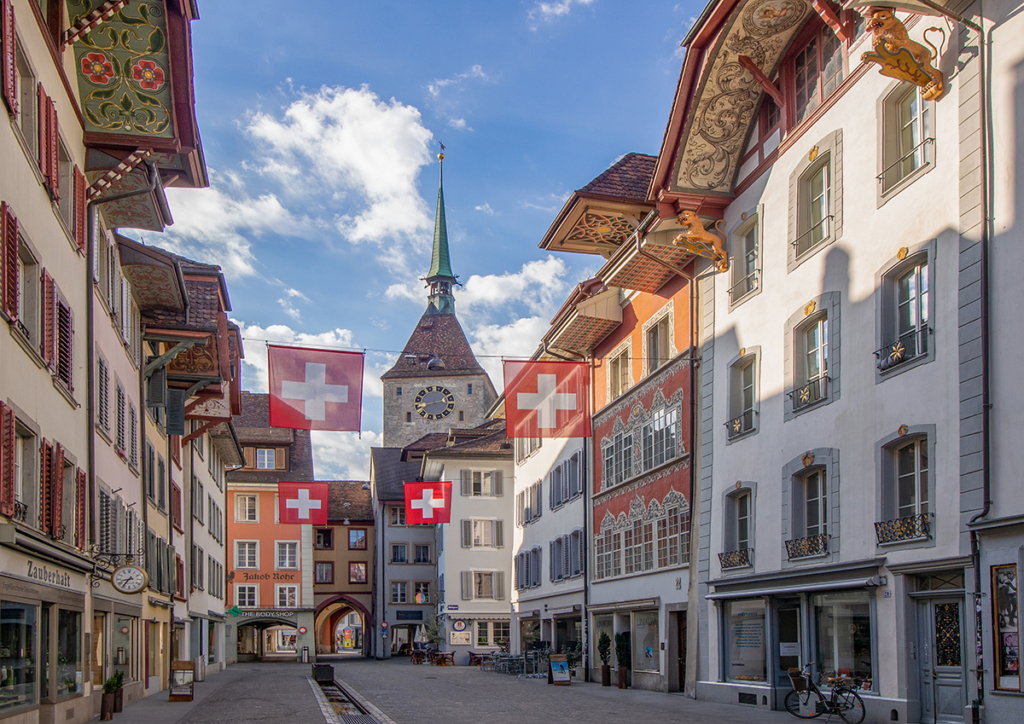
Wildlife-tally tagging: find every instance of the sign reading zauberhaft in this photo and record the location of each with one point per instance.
(302, 503)
(547, 399)
(315, 389)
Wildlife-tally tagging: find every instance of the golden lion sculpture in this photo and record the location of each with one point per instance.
(709, 244)
(891, 37)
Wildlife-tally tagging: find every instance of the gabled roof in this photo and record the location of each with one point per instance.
(253, 426)
(390, 474)
(627, 178)
(436, 336)
(348, 499)
(487, 440)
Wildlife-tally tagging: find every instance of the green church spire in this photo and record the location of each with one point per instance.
(440, 277)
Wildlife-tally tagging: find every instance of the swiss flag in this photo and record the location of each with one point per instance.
(315, 389)
(302, 503)
(547, 399)
(427, 503)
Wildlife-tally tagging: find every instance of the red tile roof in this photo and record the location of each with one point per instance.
(628, 178)
(436, 335)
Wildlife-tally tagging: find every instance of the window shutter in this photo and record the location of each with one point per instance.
(45, 492)
(53, 154)
(49, 319)
(281, 458)
(535, 554)
(551, 557)
(43, 144)
(498, 534)
(467, 534)
(65, 343)
(566, 558)
(9, 261)
(7, 443)
(81, 227)
(519, 509)
(540, 498)
(250, 457)
(498, 585)
(497, 484)
(57, 496)
(8, 39)
(80, 482)
(467, 585)
(467, 483)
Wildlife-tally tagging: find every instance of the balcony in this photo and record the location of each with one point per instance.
(815, 545)
(736, 559)
(813, 392)
(912, 527)
(741, 425)
(907, 347)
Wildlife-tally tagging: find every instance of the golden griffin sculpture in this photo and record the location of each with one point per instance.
(900, 57)
(698, 240)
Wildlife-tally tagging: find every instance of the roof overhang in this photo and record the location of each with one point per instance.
(587, 323)
(647, 262)
(155, 278)
(593, 224)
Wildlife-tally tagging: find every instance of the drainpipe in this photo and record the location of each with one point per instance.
(90, 336)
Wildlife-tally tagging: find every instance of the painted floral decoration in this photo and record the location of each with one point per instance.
(149, 76)
(97, 67)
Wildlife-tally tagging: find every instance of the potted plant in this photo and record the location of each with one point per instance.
(623, 654)
(118, 678)
(107, 699)
(604, 650)
(573, 656)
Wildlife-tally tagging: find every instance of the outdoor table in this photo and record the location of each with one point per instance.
(417, 657)
(445, 659)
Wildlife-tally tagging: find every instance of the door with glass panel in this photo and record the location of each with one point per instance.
(943, 676)
(787, 624)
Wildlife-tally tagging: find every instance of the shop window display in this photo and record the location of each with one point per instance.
(121, 639)
(69, 652)
(842, 629)
(646, 646)
(744, 624)
(1006, 626)
(17, 655)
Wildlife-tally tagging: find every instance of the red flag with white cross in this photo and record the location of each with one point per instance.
(315, 389)
(302, 503)
(427, 503)
(547, 399)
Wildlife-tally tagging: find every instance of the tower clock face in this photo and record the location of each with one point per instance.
(434, 402)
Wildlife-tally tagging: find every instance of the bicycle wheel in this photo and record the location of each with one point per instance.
(851, 707)
(797, 703)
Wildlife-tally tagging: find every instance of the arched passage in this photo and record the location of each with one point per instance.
(267, 639)
(331, 636)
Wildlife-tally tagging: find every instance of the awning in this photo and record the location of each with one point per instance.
(872, 582)
(624, 605)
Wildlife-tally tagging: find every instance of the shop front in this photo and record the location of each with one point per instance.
(273, 634)
(43, 641)
(117, 632)
(652, 633)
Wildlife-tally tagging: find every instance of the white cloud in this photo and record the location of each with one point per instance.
(290, 309)
(366, 151)
(485, 208)
(549, 11)
(550, 203)
(539, 284)
(343, 455)
(296, 294)
(435, 87)
(459, 124)
(518, 339)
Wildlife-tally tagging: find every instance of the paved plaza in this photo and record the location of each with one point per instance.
(277, 693)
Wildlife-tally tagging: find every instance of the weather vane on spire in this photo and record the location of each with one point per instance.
(440, 156)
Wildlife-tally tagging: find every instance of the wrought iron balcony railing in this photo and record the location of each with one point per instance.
(815, 545)
(814, 391)
(908, 346)
(813, 236)
(912, 527)
(735, 559)
(20, 512)
(745, 286)
(741, 424)
(60, 533)
(906, 164)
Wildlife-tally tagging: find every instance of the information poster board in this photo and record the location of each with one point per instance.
(182, 678)
(460, 638)
(1006, 627)
(560, 675)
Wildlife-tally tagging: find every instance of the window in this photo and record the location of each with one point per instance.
(399, 553)
(483, 534)
(673, 538)
(812, 363)
(645, 640)
(245, 509)
(492, 633)
(28, 104)
(907, 136)
(198, 498)
(658, 347)
(633, 541)
(742, 396)
(287, 596)
(525, 447)
(564, 481)
(746, 653)
(742, 509)
(482, 484)
(745, 261)
(357, 572)
(815, 491)
(198, 561)
(421, 592)
(265, 458)
(462, 416)
(566, 556)
(817, 70)
(529, 505)
(399, 591)
(246, 554)
(661, 438)
(28, 294)
(324, 572)
(398, 391)
(487, 585)
(905, 332)
(20, 626)
(422, 554)
(397, 515)
(65, 173)
(357, 539)
(102, 394)
(842, 634)
(1005, 625)
(815, 189)
(325, 538)
(618, 460)
(245, 596)
(287, 554)
(608, 553)
(528, 568)
(619, 374)
(912, 479)
(469, 388)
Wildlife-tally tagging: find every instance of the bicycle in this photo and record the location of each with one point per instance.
(843, 699)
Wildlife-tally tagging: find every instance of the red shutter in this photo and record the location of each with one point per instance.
(65, 343)
(8, 262)
(81, 480)
(10, 62)
(43, 141)
(57, 492)
(81, 223)
(45, 487)
(49, 319)
(53, 135)
(7, 442)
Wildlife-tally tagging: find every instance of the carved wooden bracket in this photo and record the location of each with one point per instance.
(762, 79)
(832, 20)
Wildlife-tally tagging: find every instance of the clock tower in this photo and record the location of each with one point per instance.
(436, 384)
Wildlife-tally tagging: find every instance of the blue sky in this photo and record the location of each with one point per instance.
(318, 129)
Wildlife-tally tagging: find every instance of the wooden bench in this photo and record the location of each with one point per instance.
(417, 656)
(443, 658)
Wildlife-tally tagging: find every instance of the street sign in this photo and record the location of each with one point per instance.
(384, 625)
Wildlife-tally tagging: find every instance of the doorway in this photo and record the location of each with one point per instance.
(787, 624)
(942, 672)
(681, 649)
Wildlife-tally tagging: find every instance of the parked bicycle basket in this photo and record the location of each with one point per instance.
(798, 679)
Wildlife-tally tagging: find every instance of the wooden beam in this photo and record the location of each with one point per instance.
(196, 433)
(762, 79)
(167, 357)
(832, 20)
